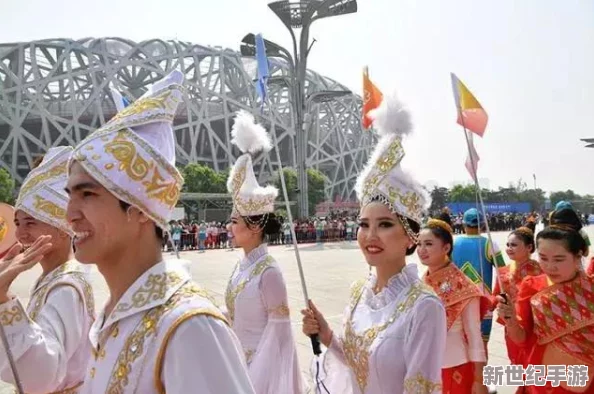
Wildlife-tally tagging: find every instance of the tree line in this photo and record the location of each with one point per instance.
(518, 192)
(200, 178)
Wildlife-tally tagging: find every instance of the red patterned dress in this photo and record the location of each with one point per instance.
(590, 269)
(465, 306)
(559, 324)
(511, 276)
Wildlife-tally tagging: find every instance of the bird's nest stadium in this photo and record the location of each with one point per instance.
(55, 92)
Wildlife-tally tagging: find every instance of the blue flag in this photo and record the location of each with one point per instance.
(120, 101)
(263, 73)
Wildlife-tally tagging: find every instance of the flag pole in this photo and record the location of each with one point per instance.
(480, 196)
(315, 340)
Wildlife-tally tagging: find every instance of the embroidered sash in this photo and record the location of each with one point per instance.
(564, 316)
(455, 291)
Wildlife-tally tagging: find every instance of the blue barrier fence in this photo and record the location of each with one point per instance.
(492, 207)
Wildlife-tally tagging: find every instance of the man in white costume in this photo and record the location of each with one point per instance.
(49, 339)
(158, 332)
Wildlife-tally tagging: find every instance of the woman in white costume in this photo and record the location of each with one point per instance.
(256, 296)
(50, 338)
(394, 329)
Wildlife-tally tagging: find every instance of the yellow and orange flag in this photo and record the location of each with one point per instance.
(471, 114)
(372, 97)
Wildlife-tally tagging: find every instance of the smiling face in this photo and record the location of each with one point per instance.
(102, 228)
(381, 236)
(243, 234)
(557, 261)
(28, 229)
(432, 251)
(517, 249)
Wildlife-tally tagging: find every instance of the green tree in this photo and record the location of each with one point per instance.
(536, 198)
(439, 198)
(203, 179)
(568, 195)
(6, 187)
(316, 185)
(463, 193)
(290, 176)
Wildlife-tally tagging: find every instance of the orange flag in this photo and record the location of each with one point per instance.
(471, 114)
(372, 97)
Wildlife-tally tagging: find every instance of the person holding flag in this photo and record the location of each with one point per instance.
(158, 332)
(48, 338)
(394, 330)
(520, 246)
(552, 316)
(256, 295)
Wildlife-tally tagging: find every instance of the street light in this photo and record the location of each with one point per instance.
(589, 141)
(295, 15)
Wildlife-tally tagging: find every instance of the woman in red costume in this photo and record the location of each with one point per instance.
(553, 315)
(520, 246)
(465, 304)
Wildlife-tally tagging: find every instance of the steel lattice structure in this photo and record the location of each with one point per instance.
(56, 92)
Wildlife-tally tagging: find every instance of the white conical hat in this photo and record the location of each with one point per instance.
(42, 193)
(383, 178)
(249, 198)
(133, 155)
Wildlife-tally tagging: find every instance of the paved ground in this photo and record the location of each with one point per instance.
(329, 269)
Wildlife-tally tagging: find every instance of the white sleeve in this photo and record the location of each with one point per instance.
(42, 349)
(203, 356)
(424, 348)
(471, 323)
(274, 367)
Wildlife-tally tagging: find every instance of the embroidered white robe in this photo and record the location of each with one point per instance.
(49, 340)
(165, 335)
(392, 342)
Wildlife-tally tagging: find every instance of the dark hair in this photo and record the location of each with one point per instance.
(531, 226)
(565, 226)
(526, 234)
(415, 227)
(444, 235)
(158, 230)
(444, 216)
(37, 161)
(269, 223)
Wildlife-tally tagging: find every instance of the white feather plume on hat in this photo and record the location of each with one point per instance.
(383, 178)
(249, 198)
(248, 135)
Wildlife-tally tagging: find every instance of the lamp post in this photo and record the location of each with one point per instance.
(294, 15)
(589, 142)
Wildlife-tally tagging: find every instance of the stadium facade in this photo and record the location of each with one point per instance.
(55, 92)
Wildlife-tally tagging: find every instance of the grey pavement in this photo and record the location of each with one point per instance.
(330, 269)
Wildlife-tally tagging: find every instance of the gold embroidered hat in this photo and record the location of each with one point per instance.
(383, 179)
(249, 198)
(42, 194)
(133, 155)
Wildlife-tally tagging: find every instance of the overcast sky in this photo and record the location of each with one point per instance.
(529, 62)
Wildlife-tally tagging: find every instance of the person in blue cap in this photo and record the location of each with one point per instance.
(475, 257)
